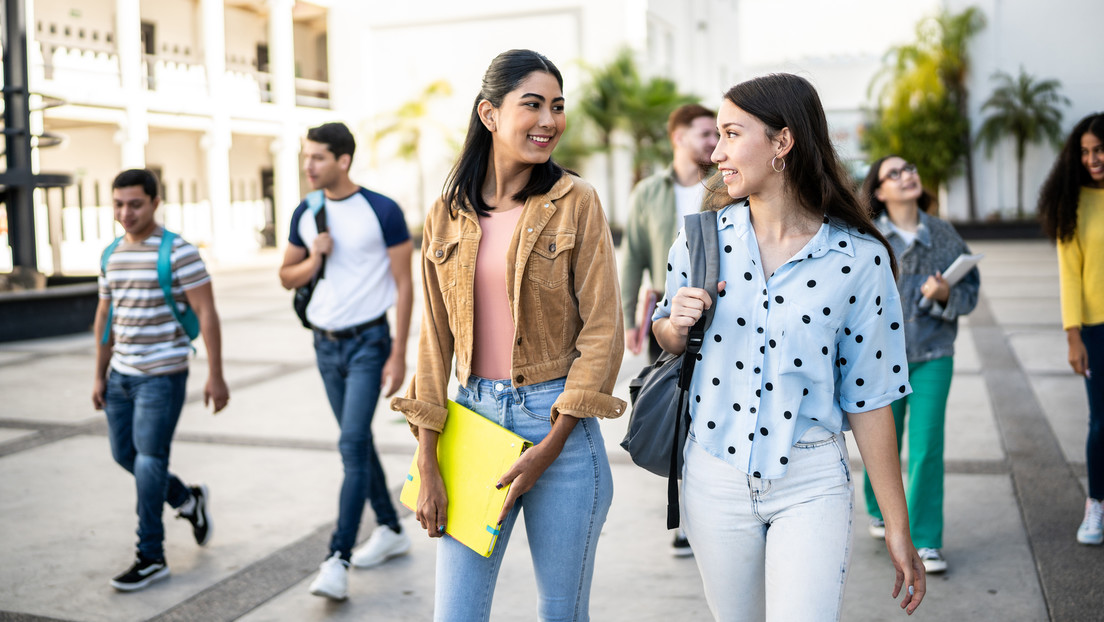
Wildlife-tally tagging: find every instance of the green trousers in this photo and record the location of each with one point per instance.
(927, 410)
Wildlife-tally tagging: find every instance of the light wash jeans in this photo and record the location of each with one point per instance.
(142, 412)
(774, 550)
(351, 370)
(564, 512)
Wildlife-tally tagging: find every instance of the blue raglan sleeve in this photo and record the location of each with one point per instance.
(293, 234)
(391, 218)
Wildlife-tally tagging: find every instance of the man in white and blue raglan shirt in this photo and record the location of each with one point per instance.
(367, 251)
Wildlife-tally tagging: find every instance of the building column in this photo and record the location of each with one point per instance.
(217, 141)
(285, 149)
(134, 132)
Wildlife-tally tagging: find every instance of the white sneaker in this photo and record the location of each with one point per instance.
(1091, 530)
(333, 579)
(933, 560)
(877, 529)
(380, 547)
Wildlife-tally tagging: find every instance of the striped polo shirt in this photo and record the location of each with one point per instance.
(148, 339)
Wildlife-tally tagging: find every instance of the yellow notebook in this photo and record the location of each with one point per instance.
(473, 452)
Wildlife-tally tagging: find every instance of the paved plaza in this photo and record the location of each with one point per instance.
(1015, 484)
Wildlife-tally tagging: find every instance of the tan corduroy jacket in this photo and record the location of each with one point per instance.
(564, 296)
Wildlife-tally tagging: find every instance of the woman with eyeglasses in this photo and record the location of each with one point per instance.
(1071, 205)
(925, 246)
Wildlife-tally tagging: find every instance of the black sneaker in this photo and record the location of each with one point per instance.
(200, 516)
(139, 576)
(680, 547)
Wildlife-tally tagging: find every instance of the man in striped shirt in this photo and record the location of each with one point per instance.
(142, 368)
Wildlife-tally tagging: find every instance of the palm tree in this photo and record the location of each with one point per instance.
(1025, 109)
(646, 112)
(602, 105)
(407, 124)
(923, 97)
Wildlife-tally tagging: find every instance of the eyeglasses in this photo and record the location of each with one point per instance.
(896, 173)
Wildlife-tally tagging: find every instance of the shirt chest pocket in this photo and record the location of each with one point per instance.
(808, 343)
(550, 261)
(445, 258)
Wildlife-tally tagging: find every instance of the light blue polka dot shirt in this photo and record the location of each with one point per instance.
(820, 337)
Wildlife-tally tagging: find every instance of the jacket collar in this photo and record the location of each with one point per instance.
(923, 229)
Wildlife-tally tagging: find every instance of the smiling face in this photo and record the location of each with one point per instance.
(322, 168)
(530, 121)
(1092, 157)
(905, 188)
(744, 153)
(134, 210)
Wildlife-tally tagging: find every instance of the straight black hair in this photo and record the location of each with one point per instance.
(464, 185)
(1062, 188)
(137, 177)
(336, 136)
(813, 170)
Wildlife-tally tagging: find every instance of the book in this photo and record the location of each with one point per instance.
(960, 267)
(473, 452)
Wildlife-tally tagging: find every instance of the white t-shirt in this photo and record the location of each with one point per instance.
(907, 236)
(357, 285)
(688, 199)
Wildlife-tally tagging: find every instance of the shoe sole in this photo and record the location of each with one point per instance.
(325, 594)
(935, 569)
(376, 562)
(207, 515)
(1087, 542)
(686, 552)
(143, 584)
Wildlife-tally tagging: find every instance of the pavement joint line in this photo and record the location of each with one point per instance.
(15, 616)
(1045, 484)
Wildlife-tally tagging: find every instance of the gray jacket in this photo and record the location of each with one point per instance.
(930, 331)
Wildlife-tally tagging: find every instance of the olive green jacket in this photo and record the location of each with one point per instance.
(651, 229)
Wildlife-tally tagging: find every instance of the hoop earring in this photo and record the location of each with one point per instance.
(775, 168)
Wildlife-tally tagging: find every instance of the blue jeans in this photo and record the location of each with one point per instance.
(772, 549)
(142, 412)
(1093, 337)
(564, 512)
(351, 371)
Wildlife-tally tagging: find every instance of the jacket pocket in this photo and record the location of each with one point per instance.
(550, 261)
(442, 253)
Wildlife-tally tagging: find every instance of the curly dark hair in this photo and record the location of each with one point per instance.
(1062, 188)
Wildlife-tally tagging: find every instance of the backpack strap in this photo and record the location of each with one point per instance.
(316, 203)
(187, 320)
(701, 237)
(111, 308)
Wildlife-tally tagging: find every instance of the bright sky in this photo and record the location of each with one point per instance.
(772, 31)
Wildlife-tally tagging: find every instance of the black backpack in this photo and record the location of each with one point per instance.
(316, 203)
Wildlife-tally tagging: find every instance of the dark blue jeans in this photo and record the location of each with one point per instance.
(142, 412)
(1093, 337)
(351, 370)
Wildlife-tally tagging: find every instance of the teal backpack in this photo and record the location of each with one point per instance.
(188, 320)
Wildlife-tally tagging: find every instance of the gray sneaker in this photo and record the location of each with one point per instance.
(933, 560)
(877, 529)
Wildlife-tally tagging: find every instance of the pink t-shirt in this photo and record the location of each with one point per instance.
(493, 346)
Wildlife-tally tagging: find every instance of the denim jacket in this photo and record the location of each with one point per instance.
(562, 287)
(930, 331)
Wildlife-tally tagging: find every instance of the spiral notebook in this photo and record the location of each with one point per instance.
(473, 452)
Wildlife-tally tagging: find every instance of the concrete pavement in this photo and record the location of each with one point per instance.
(1014, 487)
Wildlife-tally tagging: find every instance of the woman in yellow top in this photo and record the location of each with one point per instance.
(1072, 208)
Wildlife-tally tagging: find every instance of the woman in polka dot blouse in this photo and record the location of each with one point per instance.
(924, 245)
(806, 342)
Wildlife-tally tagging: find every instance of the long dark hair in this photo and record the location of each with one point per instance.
(464, 184)
(1062, 188)
(870, 185)
(813, 170)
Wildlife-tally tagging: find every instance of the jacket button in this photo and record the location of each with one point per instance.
(520, 379)
(519, 341)
(440, 253)
(551, 248)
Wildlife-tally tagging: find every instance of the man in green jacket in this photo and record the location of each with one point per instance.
(656, 207)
